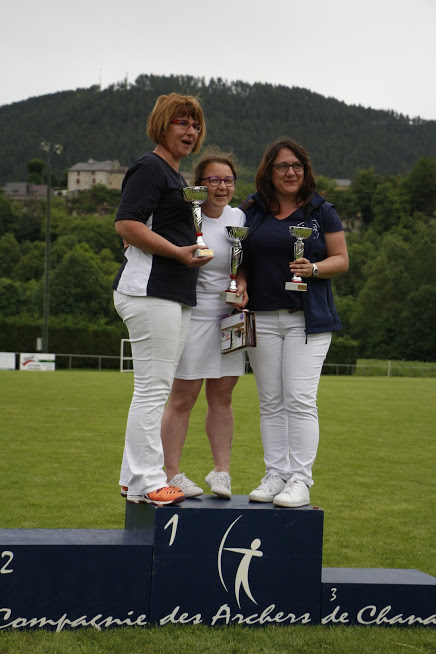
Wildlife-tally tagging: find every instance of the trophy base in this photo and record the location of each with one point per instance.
(203, 253)
(295, 286)
(230, 297)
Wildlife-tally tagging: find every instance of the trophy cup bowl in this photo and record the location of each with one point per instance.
(196, 195)
(300, 233)
(236, 235)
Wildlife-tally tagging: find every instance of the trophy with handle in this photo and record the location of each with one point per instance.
(300, 233)
(235, 234)
(197, 195)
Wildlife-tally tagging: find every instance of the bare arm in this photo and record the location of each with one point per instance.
(137, 234)
(334, 264)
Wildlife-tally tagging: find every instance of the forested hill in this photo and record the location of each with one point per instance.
(110, 124)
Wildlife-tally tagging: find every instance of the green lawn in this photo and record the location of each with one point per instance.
(61, 442)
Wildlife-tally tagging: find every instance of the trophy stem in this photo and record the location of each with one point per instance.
(300, 233)
(235, 234)
(196, 195)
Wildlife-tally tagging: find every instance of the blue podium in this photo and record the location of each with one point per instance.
(381, 597)
(204, 561)
(69, 578)
(221, 562)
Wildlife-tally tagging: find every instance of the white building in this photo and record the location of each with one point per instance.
(83, 176)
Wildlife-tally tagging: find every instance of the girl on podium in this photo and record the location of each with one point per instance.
(202, 358)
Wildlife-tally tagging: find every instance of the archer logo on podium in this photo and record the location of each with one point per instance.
(247, 554)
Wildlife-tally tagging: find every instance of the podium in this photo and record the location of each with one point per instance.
(204, 561)
(220, 562)
(68, 578)
(380, 597)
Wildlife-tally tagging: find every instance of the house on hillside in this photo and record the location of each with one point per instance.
(25, 191)
(83, 176)
(343, 184)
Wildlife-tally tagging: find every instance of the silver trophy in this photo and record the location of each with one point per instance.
(235, 234)
(197, 195)
(300, 233)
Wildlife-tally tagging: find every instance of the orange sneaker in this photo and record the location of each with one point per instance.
(160, 497)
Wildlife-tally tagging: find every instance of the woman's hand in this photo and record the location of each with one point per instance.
(136, 233)
(335, 263)
(301, 267)
(186, 256)
(241, 281)
(242, 290)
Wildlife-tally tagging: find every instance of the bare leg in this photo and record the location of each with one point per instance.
(175, 421)
(219, 420)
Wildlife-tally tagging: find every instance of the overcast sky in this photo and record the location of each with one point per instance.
(377, 53)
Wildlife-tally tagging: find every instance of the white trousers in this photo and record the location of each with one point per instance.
(157, 330)
(287, 371)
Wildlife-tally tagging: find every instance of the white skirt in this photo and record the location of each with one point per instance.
(202, 358)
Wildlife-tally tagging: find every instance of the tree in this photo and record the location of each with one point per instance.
(390, 292)
(389, 206)
(79, 288)
(9, 214)
(9, 254)
(363, 186)
(31, 265)
(416, 340)
(11, 303)
(421, 186)
(35, 168)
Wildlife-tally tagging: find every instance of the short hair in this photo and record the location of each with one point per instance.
(213, 155)
(172, 106)
(264, 174)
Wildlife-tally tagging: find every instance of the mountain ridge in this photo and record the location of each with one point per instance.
(110, 123)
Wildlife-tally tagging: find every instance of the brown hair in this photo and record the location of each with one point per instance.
(172, 106)
(213, 155)
(264, 174)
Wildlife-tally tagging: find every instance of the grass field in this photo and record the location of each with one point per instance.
(61, 442)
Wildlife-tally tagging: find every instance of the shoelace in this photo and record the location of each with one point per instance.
(269, 481)
(223, 478)
(168, 489)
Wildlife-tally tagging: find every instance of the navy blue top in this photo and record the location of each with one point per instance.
(152, 193)
(268, 250)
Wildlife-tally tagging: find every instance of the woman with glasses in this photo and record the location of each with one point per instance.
(155, 287)
(202, 358)
(294, 327)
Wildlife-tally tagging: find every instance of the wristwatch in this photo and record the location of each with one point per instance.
(315, 270)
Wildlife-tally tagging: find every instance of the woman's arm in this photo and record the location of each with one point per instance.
(136, 233)
(335, 263)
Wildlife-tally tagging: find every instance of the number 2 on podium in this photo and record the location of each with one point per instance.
(4, 570)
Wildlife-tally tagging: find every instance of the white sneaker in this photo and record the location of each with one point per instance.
(189, 488)
(219, 483)
(269, 487)
(294, 494)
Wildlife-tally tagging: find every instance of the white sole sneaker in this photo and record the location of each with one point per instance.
(294, 495)
(189, 488)
(159, 497)
(220, 484)
(270, 486)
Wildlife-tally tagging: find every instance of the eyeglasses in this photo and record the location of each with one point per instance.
(185, 124)
(216, 181)
(283, 167)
